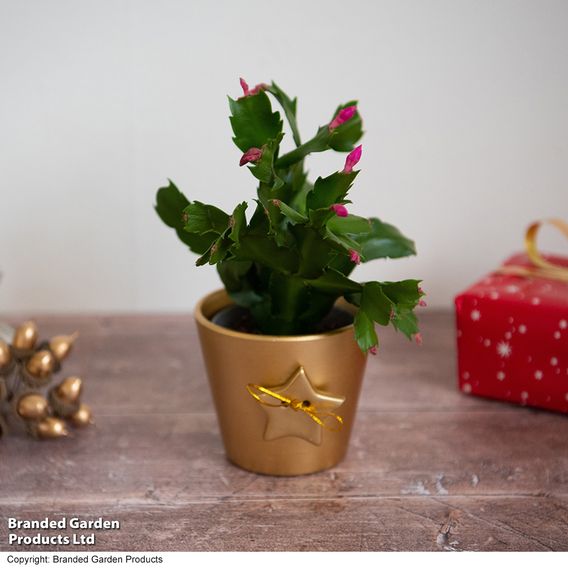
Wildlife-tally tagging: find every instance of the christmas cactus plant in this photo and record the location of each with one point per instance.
(292, 258)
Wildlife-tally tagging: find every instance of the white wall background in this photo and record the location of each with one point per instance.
(465, 106)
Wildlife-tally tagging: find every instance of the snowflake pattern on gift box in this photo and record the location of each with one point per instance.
(504, 349)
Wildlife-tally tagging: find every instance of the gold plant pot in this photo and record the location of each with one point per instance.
(279, 439)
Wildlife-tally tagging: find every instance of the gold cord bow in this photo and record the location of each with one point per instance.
(317, 415)
(541, 267)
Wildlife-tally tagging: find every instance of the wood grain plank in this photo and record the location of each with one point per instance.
(368, 524)
(174, 459)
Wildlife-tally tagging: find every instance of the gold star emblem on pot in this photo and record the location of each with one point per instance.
(297, 408)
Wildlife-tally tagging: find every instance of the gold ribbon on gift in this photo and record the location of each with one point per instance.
(319, 416)
(541, 267)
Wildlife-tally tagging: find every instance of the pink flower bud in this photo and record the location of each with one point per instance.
(418, 338)
(392, 314)
(352, 159)
(339, 209)
(422, 304)
(254, 91)
(245, 87)
(354, 256)
(251, 155)
(276, 202)
(342, 116)
(421, 291)
(257, 88)
(373, 350)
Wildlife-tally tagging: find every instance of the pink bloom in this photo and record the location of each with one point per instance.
(339, 209)
(245, 87)
(418, 338)
(342, 116)
(422, 304)
(257, 88)
(421, 291)
(352, 159)
(354, 256)
(373, 350)
(251, 155)
(254, 91)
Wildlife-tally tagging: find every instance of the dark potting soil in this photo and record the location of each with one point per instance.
(240, 319)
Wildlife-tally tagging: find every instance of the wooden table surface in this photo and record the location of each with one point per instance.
(428, 467)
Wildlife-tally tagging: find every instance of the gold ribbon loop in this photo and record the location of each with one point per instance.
(319, 416)
(542, 267)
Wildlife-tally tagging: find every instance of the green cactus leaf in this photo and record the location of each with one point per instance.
(406, 322)
(365, 333)
(319, 218)
(333, 282)
(204, 258)
(315, 252)
(384, 241)
(268, 199)
(265, 251)
(375, 303)
(291, 214)
(352, 224)
(202, 219)
(170, 205)
(405, 293)
(329, 190)
(238, 221)
(220, 248)
(253, 121)
(238, 277)
(287, 293)
(344, 242)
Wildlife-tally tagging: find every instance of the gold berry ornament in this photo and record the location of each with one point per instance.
(25, 336)
(41, 364)
(51, 427)
(64, 398)
(82, 417)
(61, 345)
(69, 390)
(32, 406)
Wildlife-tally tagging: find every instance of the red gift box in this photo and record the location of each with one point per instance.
(512, 336)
